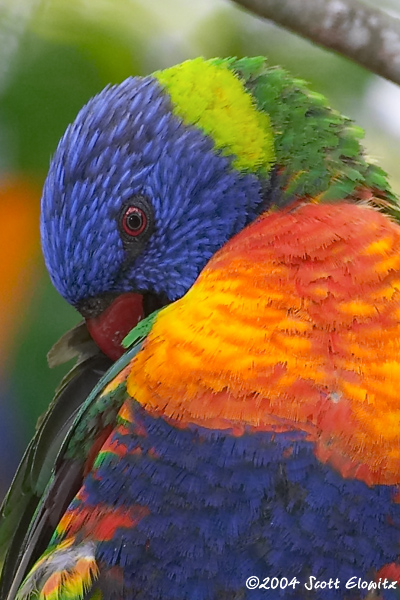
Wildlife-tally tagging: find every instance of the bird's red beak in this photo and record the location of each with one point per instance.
(110, 327)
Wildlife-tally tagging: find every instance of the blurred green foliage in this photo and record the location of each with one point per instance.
(57, 54)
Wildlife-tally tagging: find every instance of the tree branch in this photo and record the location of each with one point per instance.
(364, 34)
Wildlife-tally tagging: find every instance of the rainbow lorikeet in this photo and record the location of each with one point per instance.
(247, 442)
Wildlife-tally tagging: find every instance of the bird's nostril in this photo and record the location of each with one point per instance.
(93, 307)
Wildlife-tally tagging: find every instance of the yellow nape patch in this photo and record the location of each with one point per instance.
(214, 99)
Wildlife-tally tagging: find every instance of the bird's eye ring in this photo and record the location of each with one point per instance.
(134, 221)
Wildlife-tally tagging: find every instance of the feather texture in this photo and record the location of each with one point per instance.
(251, 428)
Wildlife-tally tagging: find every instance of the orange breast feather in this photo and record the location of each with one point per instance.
(293, 325)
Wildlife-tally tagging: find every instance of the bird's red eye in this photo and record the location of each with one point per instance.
(134, 221)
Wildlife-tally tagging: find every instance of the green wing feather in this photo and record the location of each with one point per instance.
(53, 466)
(36, 466)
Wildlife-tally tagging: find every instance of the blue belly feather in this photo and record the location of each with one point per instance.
(223, 508)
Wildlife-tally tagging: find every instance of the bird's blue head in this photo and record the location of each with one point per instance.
(153, 176)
